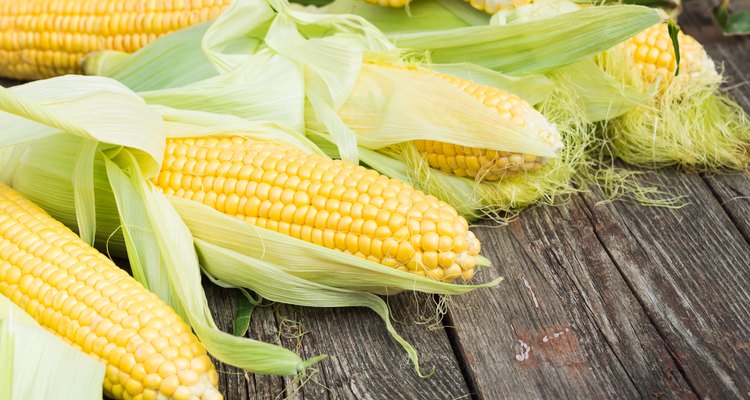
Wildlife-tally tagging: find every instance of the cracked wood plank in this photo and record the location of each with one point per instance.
(564, 323)
(363, 361)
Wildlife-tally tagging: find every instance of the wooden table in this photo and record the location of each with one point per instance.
(600, 300)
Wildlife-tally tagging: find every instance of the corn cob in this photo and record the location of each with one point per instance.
(331, 203)
(484, 164)
(653, 55)
(79, 294)
(45, 38)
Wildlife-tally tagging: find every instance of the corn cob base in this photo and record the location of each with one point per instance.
(79, 294)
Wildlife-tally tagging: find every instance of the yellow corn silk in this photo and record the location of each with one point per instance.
(148, 350)
(688, 121)
(41, 39)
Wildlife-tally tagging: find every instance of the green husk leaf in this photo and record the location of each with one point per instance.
(392, 105)
(521, 47)
(85, 199)
(674, 30)
(602, 97)
(266, 88)
(173, 60)
(732, 23)
(36, 364)
(276, 284)
(532, 88)
(538, 9)
(142, 206)
(242, 314)
(91, 107)
(419, 16)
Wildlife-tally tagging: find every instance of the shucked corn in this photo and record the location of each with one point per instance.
(79, 294)
(45, 38)
(483, 164)
(331, 203)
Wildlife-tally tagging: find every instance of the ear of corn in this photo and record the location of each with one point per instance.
(330, 203)
(76, 292)
(687, 121)
(41, 39)
(159, 245)
(161, 238)
(36, 364)
(482, 163)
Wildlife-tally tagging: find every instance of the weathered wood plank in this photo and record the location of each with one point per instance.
(733, 190)
(363, 361)
(689, 270)
(689, 267)
(564, 324)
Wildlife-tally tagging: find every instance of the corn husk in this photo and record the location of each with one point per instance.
(36, 364)
(169, 240)
(367, 106)
(513, 42)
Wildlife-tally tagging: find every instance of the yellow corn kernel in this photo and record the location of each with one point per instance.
(45, 38)
(28, 231)
(314, 210)
(653, 55)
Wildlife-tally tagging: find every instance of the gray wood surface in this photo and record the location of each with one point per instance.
(601, 300)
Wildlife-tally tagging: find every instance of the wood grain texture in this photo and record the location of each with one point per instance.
(564, 324)
(733, 53)
(363, 361)
(689, 269)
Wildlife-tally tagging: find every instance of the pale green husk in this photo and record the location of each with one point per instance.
(514, 42)
(366, 107)
(36, 364)
(688, 122)
(161, 234)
